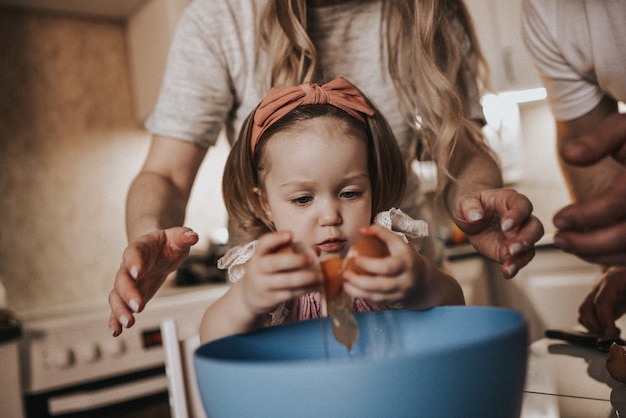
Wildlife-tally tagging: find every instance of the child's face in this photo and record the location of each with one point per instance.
(317, 184)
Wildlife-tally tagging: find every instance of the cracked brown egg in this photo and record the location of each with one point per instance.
(285, 249)
(616, 363)
(366, 246)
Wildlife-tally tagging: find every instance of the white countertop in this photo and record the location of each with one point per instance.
(565, 380)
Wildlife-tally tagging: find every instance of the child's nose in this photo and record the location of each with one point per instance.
(330, 215)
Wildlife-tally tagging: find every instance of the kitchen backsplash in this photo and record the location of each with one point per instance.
(69, 148)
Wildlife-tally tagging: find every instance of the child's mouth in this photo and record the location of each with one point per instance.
(332, 245)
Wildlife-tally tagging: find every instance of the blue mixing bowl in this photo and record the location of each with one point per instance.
(444, 362)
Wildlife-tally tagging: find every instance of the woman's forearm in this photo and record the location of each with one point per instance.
(158, 196)
(474, 169)
(153, 203)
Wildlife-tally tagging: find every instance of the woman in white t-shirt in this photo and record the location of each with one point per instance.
(420, 61)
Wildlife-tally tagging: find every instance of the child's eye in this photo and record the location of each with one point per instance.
(303, 200)
(351, 194)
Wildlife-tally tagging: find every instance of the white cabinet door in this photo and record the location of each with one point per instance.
(548, 291)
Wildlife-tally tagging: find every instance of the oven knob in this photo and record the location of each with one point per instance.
(62, 358)
(113, 347)
(87, 352)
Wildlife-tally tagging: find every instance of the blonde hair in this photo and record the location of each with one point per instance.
(242, 172)
(427, 43)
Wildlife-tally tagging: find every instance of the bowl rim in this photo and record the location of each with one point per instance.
(515, 325)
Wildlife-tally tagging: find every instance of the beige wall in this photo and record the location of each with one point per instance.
(69, 147)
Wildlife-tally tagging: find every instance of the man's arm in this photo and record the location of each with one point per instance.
(585, 182)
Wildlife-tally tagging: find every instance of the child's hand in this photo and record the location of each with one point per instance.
(385, 280)
(403, 277)
(273, 276)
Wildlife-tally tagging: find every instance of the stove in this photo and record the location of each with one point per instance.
(71, 364)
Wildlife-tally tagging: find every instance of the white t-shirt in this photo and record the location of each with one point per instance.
(579, 48)
(211, 79)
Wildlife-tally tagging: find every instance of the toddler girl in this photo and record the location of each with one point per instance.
(317, 165)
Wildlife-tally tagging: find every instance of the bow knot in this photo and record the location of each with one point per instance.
(282, 100)
(315, 94)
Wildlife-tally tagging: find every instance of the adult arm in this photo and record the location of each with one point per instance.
(592, 159)
(158, 196)
(497, 221)
(157, 244)
(593, 153)
(594, 227)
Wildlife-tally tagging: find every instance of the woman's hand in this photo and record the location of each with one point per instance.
(403, 277)
(499, 223)
(146, 263)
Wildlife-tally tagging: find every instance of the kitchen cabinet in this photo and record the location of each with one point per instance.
(548, 291)
(149, 26)
(472, 273)
(498, 25)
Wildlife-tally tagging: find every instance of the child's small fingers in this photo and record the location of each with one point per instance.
(271, 243)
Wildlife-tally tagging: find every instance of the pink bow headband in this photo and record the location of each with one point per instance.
(282, 100)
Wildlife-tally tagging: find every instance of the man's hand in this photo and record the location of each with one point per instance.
(605, 303)
(595, 229)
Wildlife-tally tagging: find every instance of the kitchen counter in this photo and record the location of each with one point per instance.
(10, 381)
(565, 380)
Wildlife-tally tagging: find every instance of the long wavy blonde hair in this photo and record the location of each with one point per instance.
(427, 42)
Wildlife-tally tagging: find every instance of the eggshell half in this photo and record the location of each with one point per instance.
(366, 246)
(616, 363)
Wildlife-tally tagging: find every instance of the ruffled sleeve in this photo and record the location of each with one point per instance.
(402, 224)
(235, 260)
